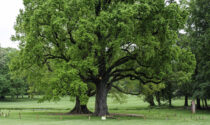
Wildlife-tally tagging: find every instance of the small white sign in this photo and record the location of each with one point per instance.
(103, 118)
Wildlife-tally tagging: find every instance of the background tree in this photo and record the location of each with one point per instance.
(99, 41)
(199, 34)
(4, 82)
(9, 86)
(185, 85)
(177, 79)
(18, 87)
(150, 90)
(182, 71)
(135, 87)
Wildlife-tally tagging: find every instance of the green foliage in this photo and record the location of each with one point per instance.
(9, 85)
(149, 90)
(4, 89)
(118, 97)
(18, 87)
(77, 42)
(179, 77)
(199, 32)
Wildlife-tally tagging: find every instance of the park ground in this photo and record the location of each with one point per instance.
(30, 112)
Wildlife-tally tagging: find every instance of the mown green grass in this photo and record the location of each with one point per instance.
(29, 112)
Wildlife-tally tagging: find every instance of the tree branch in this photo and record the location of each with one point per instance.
(121, 90)
(55, 35)
(49, 56)
(98, 8)
(119, 62)
(118, 76)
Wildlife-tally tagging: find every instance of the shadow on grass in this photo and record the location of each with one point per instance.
(35, 109)
(162, 107)
(19, 99)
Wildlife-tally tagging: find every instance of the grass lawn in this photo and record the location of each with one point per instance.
(29, 112)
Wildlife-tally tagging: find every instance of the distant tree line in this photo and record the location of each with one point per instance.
(10, 86)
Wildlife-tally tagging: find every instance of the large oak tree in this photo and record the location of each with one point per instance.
(99, 41)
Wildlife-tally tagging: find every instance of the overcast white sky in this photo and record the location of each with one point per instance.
(9, 9)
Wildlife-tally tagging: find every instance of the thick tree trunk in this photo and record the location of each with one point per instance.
(152, 103)
(186, 101)
(170, 94)
(169, 101)
(150, 100)
(2, 97)
(30, 96)
(80, 109)
(158, 98)
(198, 104)
(203, 105)
(206, 104)
(101, 108)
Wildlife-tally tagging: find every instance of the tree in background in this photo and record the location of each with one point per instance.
(199, 34)
(150, 90)
(182, 71)
(4, 82)
(9, 86)
(185, 84)
(135, 87)
(18, 87)
(99, 42)
(177, 79)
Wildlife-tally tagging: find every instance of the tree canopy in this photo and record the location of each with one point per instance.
(99, 42)
(9, 86)
(199, 34)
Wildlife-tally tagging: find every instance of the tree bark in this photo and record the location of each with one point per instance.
(170, 95)
(158, 98)
(80, 109)
(101, 108)
(169, 101)
(150, 100)
(186, 101)
(2, 97)
(198, 104)
(203, 105)
(206, 104)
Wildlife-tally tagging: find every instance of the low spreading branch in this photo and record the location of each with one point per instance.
(125, 92)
